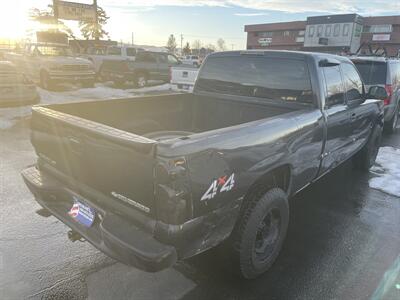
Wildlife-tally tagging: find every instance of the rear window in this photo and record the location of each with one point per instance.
(257, 76)
(372, 72)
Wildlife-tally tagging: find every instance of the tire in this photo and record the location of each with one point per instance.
(391, 126)
(259, 235)
(140, 80)
(365, 159)
(88, 84)
(45, 81)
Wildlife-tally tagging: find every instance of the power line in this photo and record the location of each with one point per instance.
(214, 37)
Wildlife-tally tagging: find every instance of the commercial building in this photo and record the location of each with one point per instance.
(333, 33)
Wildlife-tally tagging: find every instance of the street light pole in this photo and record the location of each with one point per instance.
(96, 20)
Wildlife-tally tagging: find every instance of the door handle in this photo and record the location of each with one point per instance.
(353, 116)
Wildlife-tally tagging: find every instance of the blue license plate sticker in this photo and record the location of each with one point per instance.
(82, 213)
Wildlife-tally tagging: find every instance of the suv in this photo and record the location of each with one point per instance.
(386, 73)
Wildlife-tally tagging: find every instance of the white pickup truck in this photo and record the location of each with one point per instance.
(49, 64)
(183, 78)
(97, 57)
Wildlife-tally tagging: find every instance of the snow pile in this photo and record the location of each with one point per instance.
(10, 116)
(387, 171)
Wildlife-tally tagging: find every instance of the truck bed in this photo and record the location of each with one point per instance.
(184, 113)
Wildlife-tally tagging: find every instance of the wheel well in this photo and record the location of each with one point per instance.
(279, 177)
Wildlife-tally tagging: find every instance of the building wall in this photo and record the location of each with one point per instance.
(346, 35)
(361, 31)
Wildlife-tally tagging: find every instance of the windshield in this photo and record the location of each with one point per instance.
(53, 51)
(372, 72)
(262, 77)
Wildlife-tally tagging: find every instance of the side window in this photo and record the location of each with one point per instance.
(346, 28)
(336, 30)
(352, 82)
(311, 31)
(328, 30)
(172, 59)
(319, 30)
(145, 57)
(162, 58)
(334, 86)
(130, 51)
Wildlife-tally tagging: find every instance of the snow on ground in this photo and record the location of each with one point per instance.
(387, 171)
(10, 116)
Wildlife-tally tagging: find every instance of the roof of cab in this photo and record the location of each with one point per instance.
(281, 54)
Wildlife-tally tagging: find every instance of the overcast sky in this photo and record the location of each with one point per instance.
(152, 21)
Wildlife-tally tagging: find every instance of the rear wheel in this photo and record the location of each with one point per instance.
(260, 233)
(141, 80)
(391, 126)
(365, 159)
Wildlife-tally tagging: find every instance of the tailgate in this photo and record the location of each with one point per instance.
(116, 163)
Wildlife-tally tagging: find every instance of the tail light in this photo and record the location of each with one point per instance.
(172, 192)
(389, 91)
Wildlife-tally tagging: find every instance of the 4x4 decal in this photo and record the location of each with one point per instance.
(220, 185)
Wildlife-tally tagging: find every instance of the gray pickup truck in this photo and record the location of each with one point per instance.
(148, 65)
(153, 180)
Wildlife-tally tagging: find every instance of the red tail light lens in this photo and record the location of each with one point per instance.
(389, 91)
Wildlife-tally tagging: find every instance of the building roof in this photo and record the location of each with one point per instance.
(329, 19)
(394, 20)
(295, 25)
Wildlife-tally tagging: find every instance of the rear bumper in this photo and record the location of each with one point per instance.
(110, 233)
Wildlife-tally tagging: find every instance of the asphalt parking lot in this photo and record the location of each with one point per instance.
(343, 243)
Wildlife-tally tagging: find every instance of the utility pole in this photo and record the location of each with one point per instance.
(181, 43)
(96, 20)
(232, 46)
(132, 39)
(55, 10)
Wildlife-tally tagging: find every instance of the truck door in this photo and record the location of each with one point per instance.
(360, 114)
(337, 117)
(165, 62)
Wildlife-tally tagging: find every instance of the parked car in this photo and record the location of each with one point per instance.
(148, 65)
(15, 88)
(50, 64)
(384, 72)
(183, 78)
(97, 57)
(191, 60)
(163, 178)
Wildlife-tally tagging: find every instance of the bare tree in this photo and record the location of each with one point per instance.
(196, 46)
(210, 47)
(186, 50)
(221, 44)
(171, 44)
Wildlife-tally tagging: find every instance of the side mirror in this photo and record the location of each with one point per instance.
(377, 92)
